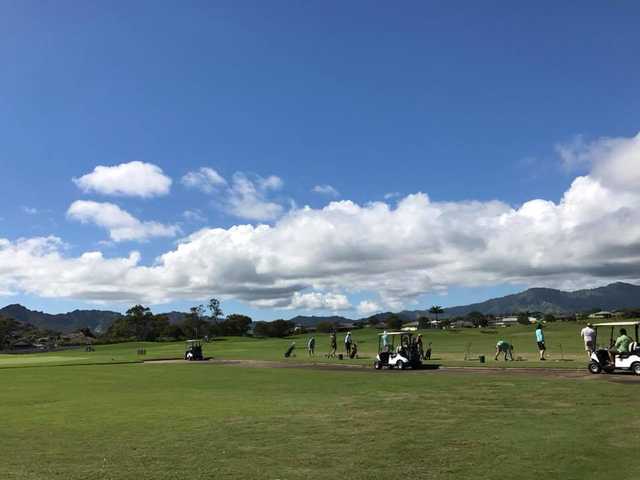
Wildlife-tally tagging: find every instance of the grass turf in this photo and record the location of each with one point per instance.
(175, 421)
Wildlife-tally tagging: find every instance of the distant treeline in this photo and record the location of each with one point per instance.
(139, 323)
(13, 333)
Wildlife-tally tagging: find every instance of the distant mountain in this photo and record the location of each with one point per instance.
(547, 300)
(96, 320)
(175, 317)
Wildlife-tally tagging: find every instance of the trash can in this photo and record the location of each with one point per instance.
(481, 357)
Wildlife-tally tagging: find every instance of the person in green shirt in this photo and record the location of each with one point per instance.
(621, 345)
(506, 348)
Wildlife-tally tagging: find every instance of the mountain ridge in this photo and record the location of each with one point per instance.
(618, 295)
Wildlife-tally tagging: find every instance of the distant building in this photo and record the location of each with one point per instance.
(600, 315)
(76, 338)
(345, 326)
(508, 321)
(462, 324)
(23, 346)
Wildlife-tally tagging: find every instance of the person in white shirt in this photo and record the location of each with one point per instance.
(588, 335)
(347, 343)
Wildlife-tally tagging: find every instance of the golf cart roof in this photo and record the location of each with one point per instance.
(617, 324)
(395, 333)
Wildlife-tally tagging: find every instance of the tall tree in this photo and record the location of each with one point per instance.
(436, 310)
(194, 324)
(393, 322)
(236, 324)
(523, 318)
(215, 309)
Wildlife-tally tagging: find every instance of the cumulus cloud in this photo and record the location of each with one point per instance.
(120, 223)
(368, 307)
(326, 190)
(205, 179)
(272, 182)
(29, 210)
(243, 197)
(397, 252)
(319, 301)
(194, 215)
(613, 161)
(133, 179)
(247, 199)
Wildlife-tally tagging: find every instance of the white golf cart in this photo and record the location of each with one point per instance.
(397, 350)
(627, 361)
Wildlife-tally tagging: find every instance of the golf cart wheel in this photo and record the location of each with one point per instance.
(594, 367)
(377, 365)
(635, 368)
(400, 365)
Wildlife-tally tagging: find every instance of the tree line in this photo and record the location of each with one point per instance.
(139, 323)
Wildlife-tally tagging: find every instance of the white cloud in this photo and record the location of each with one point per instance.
(390, 195)
(319, 301)
(204, 179)
(133, 179)
(29, 210)
(194, 215)
(120, 223)
(326, 190)
(592, 235)
(272, 182)
(613, 161)
(368, 307)
(246, 199)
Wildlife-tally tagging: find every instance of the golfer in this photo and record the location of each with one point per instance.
(588, 334)
(419, 346)
(311, 346)
(621, 345)
(333, 342)
(427, 354)
(347, 343)
(540, 341)
(506, 348)
(385, 339)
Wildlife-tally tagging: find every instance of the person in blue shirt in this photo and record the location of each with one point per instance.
(540, 341)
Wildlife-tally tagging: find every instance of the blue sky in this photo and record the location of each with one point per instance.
(461, 101)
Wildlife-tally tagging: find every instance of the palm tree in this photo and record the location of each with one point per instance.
(436, 310)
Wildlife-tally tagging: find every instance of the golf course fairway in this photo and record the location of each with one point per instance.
(176, 421)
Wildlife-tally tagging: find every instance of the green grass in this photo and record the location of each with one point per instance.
(565, 348)
(175, 421)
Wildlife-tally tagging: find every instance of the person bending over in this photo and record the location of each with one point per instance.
(506, 348)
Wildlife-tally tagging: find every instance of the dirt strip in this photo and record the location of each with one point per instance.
(430, 369)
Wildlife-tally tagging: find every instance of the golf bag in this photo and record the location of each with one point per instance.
(289, 351)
